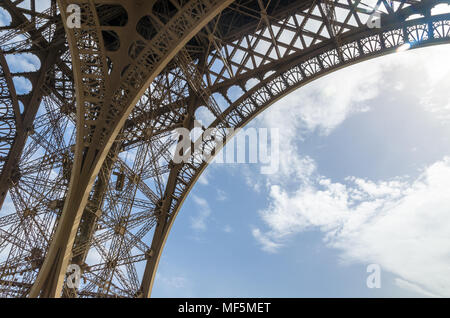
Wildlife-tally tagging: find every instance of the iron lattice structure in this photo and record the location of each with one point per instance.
(86, 169)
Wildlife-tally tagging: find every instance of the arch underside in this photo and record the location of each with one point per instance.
(117, 180)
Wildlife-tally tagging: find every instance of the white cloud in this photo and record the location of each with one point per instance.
(320, 107)
(413, 287)
(203, 179)
(427, 78)
(404, 227)
(25, 62)
(267, 244)
(173, 281)
(221, 195)
(401, 224)
(324, 104)
(198, 222)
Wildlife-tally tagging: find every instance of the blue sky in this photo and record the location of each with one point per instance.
(363, 179)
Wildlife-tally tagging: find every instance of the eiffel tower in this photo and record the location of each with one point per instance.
(92, 91)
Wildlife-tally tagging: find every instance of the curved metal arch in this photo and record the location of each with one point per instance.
(356, 48)
(32, 174)
(248, 68)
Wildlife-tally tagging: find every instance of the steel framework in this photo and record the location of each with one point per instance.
(87, 175)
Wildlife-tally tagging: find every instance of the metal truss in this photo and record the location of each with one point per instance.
(86, 156)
